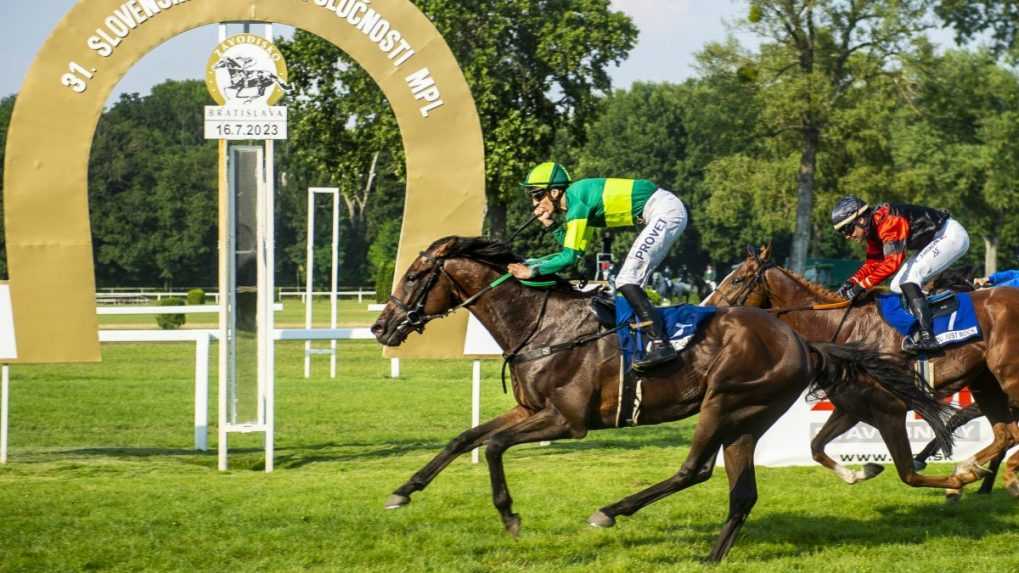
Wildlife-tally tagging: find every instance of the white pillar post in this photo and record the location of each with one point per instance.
(309, 271)
(335, 279)
(476, 404)
(394, 368)
(202, 392)
(5, 388)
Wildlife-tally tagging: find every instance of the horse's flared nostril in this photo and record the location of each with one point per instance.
(378, 328)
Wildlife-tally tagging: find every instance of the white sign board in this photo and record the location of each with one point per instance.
(479, 341)
(245, 123)
(8, 347)
(787, 443)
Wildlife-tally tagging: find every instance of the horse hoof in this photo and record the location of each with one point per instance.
(512, 524)
(872, 470)
(599, 519)
(396, 501)
(952, 496)
(919, 466)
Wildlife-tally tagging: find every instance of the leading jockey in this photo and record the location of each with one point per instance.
(610, 203)
(889, 230)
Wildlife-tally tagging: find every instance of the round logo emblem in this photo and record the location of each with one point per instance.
(246, 70)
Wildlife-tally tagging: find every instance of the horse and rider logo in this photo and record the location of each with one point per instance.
(246, 70)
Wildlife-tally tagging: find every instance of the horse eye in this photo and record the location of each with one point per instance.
(737, 280)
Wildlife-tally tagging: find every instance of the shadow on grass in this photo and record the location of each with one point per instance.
(333, 451)
(917, 525)
(328, 452)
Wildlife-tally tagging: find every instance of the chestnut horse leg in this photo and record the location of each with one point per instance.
(892, 426)
(548, 424)
(837, 424)
(994, 404)
(1011, 482)
(461, 444)
(739, 467)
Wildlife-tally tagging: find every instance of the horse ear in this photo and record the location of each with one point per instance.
(751, 252)
(766, 251)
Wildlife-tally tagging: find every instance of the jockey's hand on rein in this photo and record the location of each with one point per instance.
(850, 290)
(520, 271)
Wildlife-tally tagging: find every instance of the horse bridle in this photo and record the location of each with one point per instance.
(415, 317)
(741, 297)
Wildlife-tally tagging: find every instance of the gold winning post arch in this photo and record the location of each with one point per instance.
(49, 243)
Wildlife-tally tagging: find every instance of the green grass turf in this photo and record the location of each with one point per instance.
(102, 478)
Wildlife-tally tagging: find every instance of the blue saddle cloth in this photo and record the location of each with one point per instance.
(681, 323)
(953, 328)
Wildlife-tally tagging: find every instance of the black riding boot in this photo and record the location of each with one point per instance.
(923, 339)
(661, 351)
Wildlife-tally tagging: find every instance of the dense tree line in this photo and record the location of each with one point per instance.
(840, 96)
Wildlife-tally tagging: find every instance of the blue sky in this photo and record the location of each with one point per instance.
(671, 32)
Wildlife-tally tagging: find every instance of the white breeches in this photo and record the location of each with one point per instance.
(666, 220)
(949, 243)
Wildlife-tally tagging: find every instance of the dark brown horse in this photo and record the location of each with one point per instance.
(990, 367)
(745, 369)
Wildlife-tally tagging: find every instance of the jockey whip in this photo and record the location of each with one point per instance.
(522, 227)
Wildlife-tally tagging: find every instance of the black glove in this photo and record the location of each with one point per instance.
(850, 290)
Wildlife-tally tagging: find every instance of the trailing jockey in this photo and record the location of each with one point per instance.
(889, 230)
(609, 203)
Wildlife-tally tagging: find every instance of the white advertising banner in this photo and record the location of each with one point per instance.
(787, 443)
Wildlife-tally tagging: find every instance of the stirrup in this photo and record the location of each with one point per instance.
(916, 344)
(659, 355)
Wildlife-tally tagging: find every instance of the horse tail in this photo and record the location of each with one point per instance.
(843, 368)
(282, 84)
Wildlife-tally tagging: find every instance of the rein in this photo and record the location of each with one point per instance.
(760, 278)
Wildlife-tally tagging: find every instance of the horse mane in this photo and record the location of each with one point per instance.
(491, 252)
(816, 289)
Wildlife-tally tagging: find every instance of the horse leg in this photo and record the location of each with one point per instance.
(699, 464)
(461, 444)
(994, 404)
(892, 426)
(1011, 482)
(548, 424)
(992, 468)
(837, 424)
(958, 420)
(739, 467)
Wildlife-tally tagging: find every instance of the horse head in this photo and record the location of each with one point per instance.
(746, 285)
(444, 277)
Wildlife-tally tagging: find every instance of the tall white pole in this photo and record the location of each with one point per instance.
(476, 404)
(5, 388)
(309, 271)
(269, 296)
(332, 293)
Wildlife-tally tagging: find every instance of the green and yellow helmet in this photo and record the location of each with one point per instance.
(548, 175)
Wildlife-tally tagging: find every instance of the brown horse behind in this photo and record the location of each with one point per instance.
(989, 367)
(745, 369)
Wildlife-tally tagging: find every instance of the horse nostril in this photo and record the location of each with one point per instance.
(378, 327)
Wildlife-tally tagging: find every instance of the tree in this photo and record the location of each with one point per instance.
(6, 109)
(808, 63)
(342, 134)
(152, 185)
(960, 148)
(970, 18)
